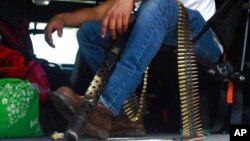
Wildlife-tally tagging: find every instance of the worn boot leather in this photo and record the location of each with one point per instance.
(99, 123)
(122, 126)
(66, 102)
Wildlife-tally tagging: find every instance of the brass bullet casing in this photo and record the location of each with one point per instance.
(184, 76)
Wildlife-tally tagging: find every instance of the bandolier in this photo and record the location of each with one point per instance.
(188, 77)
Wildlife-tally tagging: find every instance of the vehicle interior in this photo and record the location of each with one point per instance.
(65, 66)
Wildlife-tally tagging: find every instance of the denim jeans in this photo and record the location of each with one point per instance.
(156, 24)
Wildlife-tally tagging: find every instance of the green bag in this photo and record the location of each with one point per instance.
(18, 109)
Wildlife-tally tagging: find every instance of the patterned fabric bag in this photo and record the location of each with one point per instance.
(18, 109)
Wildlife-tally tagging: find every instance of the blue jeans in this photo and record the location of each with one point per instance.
(155, 25)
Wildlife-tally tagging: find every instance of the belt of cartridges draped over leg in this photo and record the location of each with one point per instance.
(188, 78)
(188, 83)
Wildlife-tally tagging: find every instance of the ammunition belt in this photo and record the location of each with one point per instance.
(188, 82)
(134, 105)
(188, 77)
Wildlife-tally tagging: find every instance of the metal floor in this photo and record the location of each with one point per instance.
(149, 137)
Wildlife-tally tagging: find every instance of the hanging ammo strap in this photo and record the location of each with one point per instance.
(188, 83)
(134, 106)
(188, 78)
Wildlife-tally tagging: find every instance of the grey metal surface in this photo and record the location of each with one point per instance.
(149, 137)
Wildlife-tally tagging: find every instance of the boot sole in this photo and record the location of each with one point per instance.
(64, 107)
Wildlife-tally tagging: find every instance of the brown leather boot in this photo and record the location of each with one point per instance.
(122, 126)
(99, 123)
(66, 102)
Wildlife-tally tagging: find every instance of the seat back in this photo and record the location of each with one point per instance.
(225, 22)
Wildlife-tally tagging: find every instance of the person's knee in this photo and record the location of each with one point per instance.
(84, 31)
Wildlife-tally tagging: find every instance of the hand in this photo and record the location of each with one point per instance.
(55, 24)
(117, 16)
